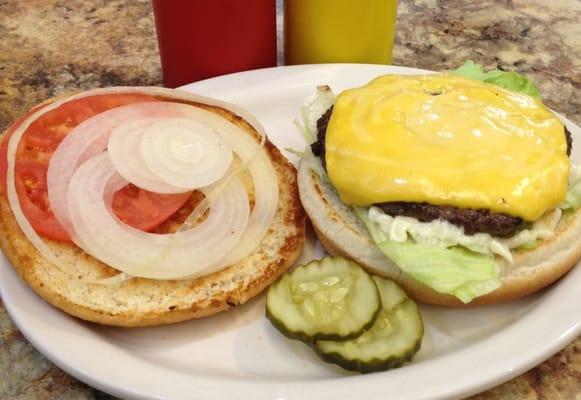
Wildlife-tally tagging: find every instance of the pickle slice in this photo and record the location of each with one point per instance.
(331, 298)
(392, 341)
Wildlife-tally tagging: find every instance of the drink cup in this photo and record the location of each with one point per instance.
(329, 31)
(199, 39)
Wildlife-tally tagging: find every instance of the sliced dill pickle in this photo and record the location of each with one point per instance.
(331, 298)
(393, 340)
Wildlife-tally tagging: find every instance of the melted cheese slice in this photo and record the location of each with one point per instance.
(446, 140)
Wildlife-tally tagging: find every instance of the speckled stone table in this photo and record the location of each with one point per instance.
(48, 47)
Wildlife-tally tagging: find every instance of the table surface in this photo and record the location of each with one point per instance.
(50, 47)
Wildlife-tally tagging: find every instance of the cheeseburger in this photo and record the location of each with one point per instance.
(460, 189)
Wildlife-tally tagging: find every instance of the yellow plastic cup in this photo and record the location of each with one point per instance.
(329, 31)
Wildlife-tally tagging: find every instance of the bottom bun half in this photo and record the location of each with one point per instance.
(343, 234)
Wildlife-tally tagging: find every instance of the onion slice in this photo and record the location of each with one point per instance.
(89, 139)
(193, 119)
(266, 193)
(123, 145)
(263, 177)
(169, 155)
(144, 254)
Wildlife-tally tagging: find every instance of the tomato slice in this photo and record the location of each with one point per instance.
(33, 197)
(139, 208)
(146, 210)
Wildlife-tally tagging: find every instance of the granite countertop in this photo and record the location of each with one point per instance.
(49, 47)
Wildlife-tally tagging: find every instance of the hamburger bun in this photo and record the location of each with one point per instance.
(343, 234)
(144, 302)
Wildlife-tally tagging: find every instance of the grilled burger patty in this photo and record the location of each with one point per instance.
(473, 221)
(318, 147)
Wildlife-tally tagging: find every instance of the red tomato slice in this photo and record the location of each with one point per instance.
(139, 208)
(33, 197)
(146, 210)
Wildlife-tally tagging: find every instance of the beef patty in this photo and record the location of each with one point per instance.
(473, 221)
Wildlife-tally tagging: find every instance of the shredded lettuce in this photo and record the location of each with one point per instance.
(543, 228)
(309, 136)
(307, 126)
(311, 112)
(573, 197)
(444, 234)
(505, 79)
(438, 232)
(443, 257)
(529, 245)
(316, 166)
(301, 154)
(453, 270)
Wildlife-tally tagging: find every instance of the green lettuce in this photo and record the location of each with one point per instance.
(453, 270)
(533, 244)
(505, 79)
(572, 199)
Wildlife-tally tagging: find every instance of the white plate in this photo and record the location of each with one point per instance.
(238, 355)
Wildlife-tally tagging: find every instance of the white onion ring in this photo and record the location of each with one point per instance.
(146, 154)
(264, 179)
(134, 169)
(185, 153)
(85, 141)
(144, 254)
(36, 240)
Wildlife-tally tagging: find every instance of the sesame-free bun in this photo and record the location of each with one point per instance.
(143, 302)
(343, 234)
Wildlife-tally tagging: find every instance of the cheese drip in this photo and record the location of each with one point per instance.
(446, 140)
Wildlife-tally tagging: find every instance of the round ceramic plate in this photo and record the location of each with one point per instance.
(239, 355)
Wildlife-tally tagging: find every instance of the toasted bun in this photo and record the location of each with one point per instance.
(143, 302)
(342, 234)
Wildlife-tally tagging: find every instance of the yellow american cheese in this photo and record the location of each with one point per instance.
(446, 140)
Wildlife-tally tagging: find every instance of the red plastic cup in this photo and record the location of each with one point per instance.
(199, 39)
